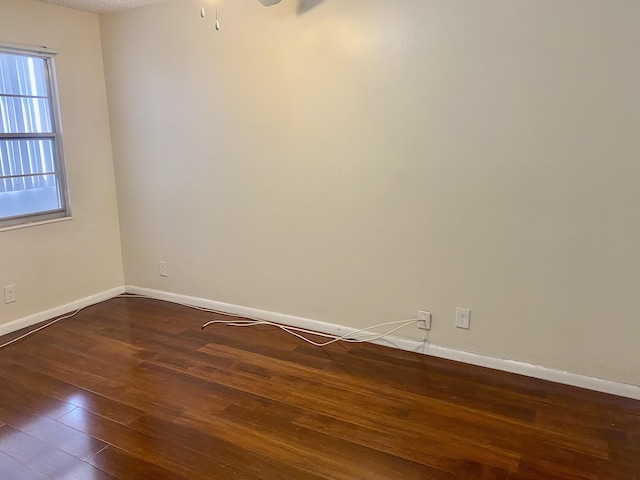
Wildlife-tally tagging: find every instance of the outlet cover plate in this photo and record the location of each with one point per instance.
(424, 320)
(162, 267)
(10, 294)
(463, 316)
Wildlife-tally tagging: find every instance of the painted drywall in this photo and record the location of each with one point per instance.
(55, 264)
(355, 161)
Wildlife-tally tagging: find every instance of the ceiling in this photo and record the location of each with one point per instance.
(102, 6)
(106, 6)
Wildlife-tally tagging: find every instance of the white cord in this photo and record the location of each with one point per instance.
(250, 322)
(348, 337)
(40, 328)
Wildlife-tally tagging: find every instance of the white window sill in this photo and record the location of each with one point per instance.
(35, 224)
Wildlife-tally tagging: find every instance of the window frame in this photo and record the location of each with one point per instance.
(64, 212)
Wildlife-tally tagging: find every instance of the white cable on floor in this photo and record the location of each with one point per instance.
(348, 337)
(250, 322)
(64, 317)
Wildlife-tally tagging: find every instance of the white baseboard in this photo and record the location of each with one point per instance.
(61, 310)
(521, 368)
(539, 371)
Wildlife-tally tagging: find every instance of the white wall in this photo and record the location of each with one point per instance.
(55, 264)
(367, 158)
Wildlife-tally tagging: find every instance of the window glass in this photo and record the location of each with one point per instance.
(32, 181)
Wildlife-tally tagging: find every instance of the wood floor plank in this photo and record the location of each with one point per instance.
(46, 458)
(45, 404)
(443, 453)
(67, 439)
(136, 443)
(119, 385)
(307, 451)
(167, 445)
(12, 469)
(133, 388)
(471, 394)
(70, 394)
(217, 451)
(122, 464)
(364, 462)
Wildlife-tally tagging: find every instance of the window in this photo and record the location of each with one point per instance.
(32, 179)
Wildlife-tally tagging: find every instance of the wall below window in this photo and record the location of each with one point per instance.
(59, 263)
(364, 159)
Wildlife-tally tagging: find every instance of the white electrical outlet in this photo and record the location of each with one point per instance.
(163, 268)
(10, 294)
(424, 320)
(462, 317)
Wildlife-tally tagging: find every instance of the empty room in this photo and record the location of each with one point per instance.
(319, 239)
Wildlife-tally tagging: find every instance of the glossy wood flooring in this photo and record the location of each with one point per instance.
(134, 389)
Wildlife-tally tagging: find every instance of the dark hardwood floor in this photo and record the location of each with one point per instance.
(134, 389)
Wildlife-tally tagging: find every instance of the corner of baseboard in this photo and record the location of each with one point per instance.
(60, 310)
